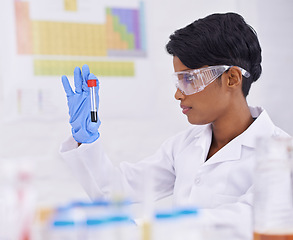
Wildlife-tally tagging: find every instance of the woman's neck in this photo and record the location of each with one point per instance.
(235, 121)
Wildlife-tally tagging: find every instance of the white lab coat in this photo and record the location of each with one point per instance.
(221, 187)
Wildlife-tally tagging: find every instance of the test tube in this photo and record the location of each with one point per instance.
(92, 83)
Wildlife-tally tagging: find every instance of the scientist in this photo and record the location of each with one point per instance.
(210, 165)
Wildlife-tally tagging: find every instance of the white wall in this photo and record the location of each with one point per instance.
(139, 117)
(274, 88)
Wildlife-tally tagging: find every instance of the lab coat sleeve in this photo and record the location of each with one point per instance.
(100, 178)
(234, 218)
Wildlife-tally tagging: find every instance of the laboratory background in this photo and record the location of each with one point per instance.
(123, 42)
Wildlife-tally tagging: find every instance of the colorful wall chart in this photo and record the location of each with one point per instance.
(122, 34)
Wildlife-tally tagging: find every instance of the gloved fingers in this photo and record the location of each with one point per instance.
(66, 86)
(92, 76)
(93, 126)
(87, 133)
(85, 72)
(77, 80)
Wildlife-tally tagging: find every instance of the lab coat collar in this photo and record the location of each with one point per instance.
(262, 126)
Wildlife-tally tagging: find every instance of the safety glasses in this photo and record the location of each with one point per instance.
(195, 80)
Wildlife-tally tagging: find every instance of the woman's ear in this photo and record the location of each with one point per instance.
(234, 77)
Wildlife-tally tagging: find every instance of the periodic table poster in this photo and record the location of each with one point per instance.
(49, 38)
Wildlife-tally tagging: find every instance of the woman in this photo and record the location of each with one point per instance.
(209, 165)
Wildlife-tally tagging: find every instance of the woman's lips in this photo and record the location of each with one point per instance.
(185, 109)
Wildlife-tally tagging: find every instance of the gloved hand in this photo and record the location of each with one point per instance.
(83, 129)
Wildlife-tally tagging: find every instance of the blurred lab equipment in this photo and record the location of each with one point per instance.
(17, 199)
(273, 194)
(176, 224)
(92, 220)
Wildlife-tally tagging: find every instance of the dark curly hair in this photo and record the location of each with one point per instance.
(219, 39)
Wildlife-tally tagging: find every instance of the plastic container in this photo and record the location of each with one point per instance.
(176, 224)
(67, 224)
(273, 189)
(115, 227)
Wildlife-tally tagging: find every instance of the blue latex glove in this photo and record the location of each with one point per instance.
(83, 129)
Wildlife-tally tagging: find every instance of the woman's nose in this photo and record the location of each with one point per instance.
(179, 95)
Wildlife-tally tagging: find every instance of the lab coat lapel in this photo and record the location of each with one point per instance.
(200, 150)
(195, 154)
(261, 127)
(188, 163)
(204, 142)
(230, 152)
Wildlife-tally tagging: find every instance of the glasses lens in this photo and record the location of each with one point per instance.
(189, 82)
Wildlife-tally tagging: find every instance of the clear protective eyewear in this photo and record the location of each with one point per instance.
(195, 80)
